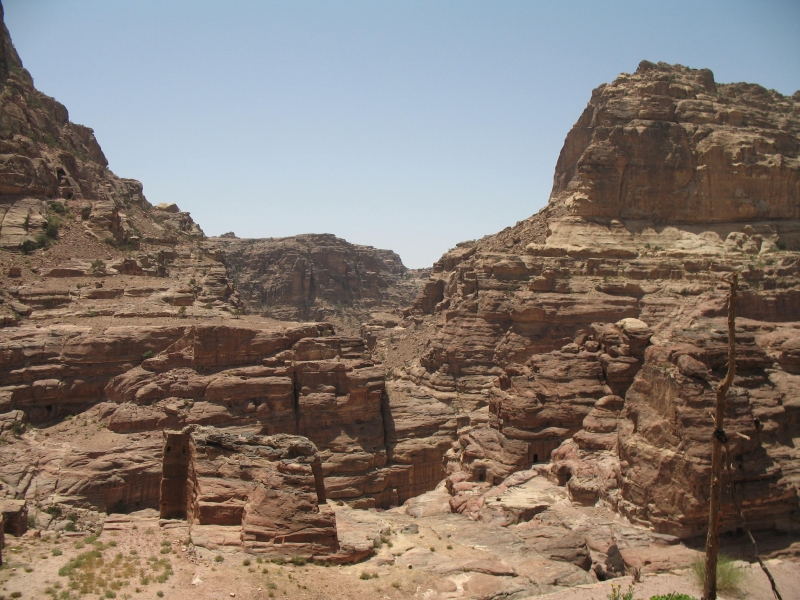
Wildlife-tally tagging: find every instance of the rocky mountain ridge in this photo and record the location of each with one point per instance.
(545, 395)
(594, 329)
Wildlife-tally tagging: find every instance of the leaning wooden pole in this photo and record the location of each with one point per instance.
(718, 441)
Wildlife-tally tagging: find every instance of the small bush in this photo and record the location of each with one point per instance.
(54, 511)
(618, 594)
(219, 558)
(160, 594)
(728, 575)
(148, 354)
(51, 227)
(781, 245)
(246, 562)
(70, 526)
(31, 522)
(298, 561)
(673, 596)
(27, 246)
(57, 207)
(56, 552)
(72, 516)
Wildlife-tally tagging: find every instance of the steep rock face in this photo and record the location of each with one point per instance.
(315, 276)
(668, 144)
(45, 157)
(296, 379)
(557, 325)
(79, 223)
(270, 488)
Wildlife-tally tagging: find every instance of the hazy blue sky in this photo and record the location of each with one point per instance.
(409, 125)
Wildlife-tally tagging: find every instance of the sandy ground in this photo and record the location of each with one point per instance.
(755, 585)
(33, 563)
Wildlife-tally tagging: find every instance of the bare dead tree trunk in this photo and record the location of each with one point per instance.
(718, 440)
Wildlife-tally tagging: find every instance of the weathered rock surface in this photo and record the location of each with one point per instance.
(590, 332)
(286, 379)
(594, 327)
(315, 277)
(269, 488)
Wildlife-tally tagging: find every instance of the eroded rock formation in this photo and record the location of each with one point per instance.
(593, 328)
(315, 277)
(269, 489)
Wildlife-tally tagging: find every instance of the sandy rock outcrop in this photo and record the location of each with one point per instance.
(567, 326)
(295, 379)
(314, 277)
(270, 489)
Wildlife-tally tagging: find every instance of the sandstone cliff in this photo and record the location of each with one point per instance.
(591, 333)
(79, 242)
(316, 277)
(594, 328)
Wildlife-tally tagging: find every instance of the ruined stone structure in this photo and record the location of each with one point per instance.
(266, 491)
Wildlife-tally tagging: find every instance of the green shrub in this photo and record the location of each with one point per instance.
(69, 526)
(51, 226)
(673, 596)
(148, 354)
(57, 207)
(71, 516)
(98, 266)
(246, 562)
(17, 428)
(31, 522)
(28, 246)
(54, 511)
(56, 551)
(728, 575)
(618, 594)
(42, 240)
(298, 561)
(219, 558)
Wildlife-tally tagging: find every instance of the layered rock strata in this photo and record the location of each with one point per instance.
(315, 277)
(594, 327)
(269, 488)
(286, 379)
